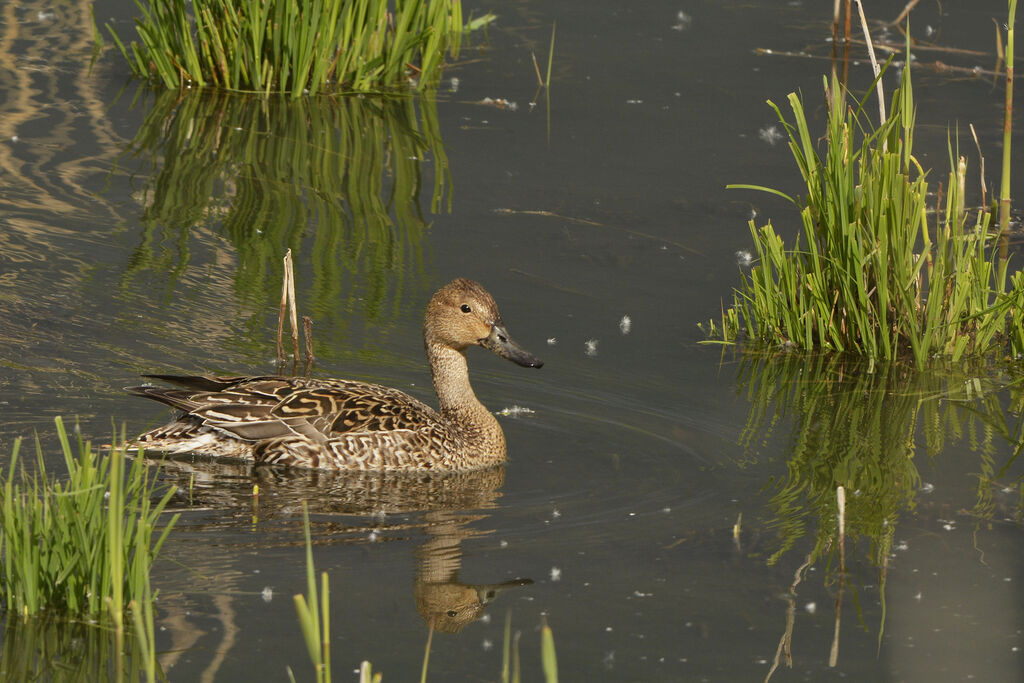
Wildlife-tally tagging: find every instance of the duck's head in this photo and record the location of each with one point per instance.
(463, 313)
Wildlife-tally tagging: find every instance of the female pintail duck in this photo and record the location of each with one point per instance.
(341, 424)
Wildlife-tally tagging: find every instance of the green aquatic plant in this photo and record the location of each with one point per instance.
(81, 546)
(510, 654)
(511, 671)
(869, 275)
(548, 659)
(277, 46)
(366, 674)
(314, 610)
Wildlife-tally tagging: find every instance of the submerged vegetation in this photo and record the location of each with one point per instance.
(872, 275)
(277, 46)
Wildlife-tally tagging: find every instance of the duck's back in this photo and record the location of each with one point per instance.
(324, 423)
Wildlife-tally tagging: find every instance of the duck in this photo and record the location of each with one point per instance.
(339, 424)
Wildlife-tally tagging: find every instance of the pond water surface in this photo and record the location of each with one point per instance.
(662, 500)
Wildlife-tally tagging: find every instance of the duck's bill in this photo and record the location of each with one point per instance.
(500, 343)
(486, 593)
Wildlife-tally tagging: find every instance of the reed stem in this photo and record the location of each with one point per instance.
(1004, 191)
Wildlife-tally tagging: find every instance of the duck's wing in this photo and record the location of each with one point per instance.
(264, 408)
(207, 382)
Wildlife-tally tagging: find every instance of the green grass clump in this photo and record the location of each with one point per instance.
(84, 545)
(869, 274)
(293, 47)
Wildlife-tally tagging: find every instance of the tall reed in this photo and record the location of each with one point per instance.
(293, 47)
(1004, 194)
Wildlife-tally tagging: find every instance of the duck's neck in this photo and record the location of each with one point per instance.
(459, 405)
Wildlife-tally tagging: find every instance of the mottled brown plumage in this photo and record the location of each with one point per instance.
(342, 424)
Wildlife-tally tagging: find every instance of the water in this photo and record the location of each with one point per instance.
(144, 234)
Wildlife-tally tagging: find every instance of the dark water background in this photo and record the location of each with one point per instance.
(143, 234)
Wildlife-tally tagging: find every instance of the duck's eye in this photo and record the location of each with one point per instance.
(466, 308)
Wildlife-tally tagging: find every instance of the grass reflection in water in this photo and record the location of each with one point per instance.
(264, 174)
(858, 427)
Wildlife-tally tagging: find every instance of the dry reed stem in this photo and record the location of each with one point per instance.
(293, 313)
(900, 47)
(846, 28)
(288, 299)
(280, 316)
(903, 15)
(836, 13)
(1004, 194)
(307, 328)
(874, 63)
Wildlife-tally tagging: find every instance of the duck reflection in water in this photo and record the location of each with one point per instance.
(443, 601)
(346, 508)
